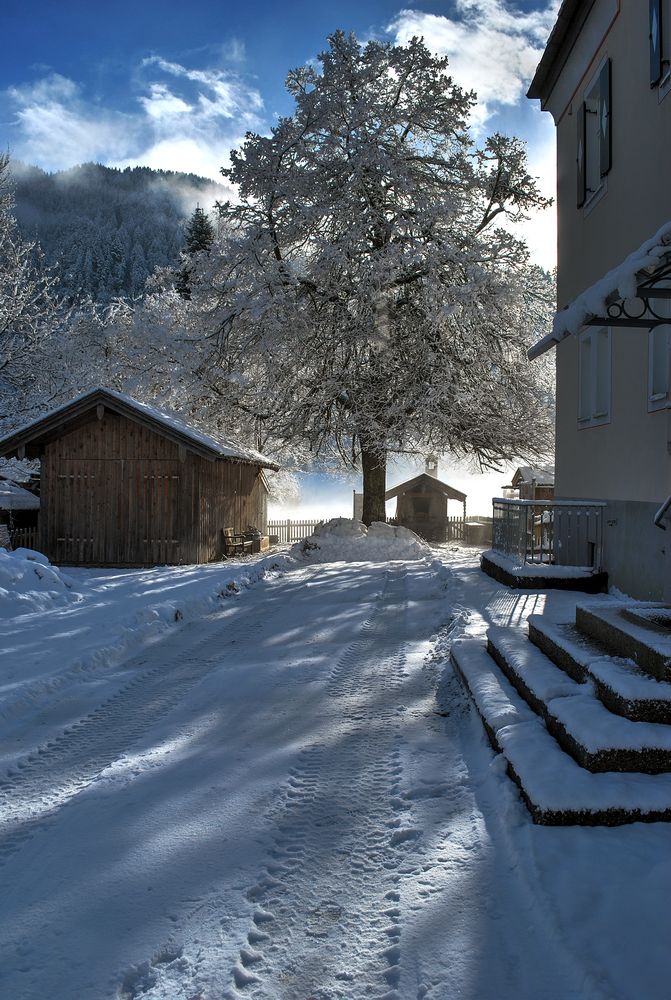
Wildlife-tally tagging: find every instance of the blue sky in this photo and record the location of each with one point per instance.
(176, 85)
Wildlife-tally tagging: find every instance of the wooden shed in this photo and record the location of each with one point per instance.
(125, 484)
(422, 505)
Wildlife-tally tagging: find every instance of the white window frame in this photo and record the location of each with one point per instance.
(658, 396)
(590, 340)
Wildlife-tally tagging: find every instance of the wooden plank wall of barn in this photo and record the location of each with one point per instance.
(116, 493)
(232, 495)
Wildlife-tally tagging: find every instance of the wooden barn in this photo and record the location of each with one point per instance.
(124, 484)
(421, 505)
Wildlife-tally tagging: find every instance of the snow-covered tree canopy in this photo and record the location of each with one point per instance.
(367, 290)
(29, 307)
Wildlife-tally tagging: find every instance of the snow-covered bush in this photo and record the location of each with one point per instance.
(345, 540)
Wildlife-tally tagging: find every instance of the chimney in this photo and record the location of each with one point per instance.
(431, 466)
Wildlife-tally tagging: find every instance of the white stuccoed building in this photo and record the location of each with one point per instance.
(605, 77)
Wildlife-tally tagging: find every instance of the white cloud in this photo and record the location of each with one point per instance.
(492, 48)
(56, 128)
(162, 104)
(184, 119)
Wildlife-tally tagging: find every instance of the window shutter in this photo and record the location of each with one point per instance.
(604, 119)
(655, 41)
(582, 173)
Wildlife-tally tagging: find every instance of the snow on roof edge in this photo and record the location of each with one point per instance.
(593, 301)
(220, 446)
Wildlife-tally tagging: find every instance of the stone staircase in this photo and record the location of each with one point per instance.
(580, 710)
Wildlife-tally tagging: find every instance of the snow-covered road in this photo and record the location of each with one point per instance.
(289, 799)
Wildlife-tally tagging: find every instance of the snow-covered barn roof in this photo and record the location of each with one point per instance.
(13, 497)
(162, 422)
(431, 482)
(631, 279)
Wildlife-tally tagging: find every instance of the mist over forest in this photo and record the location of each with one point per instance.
(105, 230)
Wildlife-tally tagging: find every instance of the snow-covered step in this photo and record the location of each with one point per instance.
(555, 789)
(622, 686)
(649, 646)
(581, 724)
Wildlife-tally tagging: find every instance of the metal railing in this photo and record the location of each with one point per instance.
(550, 532)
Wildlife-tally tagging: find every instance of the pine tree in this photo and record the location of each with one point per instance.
(199, 238)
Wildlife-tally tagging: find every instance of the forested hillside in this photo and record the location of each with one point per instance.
(106, 230)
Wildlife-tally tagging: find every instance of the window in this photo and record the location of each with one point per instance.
(594, 377)
(594, 146)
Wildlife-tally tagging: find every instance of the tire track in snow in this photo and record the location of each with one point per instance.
(326, 921)
(47, 779)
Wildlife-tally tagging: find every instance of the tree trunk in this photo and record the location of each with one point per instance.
(374, 467)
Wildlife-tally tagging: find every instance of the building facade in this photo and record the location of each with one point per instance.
(605, 78)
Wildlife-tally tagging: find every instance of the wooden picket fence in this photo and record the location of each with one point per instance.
(23, 538)
(456, 529)
(292, 531)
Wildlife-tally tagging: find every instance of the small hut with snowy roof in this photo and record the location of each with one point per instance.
(125, 484)
(421, 504)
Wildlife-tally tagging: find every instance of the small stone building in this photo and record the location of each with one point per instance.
(125, 484)
(421, 504)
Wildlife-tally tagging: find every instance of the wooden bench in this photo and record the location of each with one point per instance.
(235, 543)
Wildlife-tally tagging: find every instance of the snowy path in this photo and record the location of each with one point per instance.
(272, 803)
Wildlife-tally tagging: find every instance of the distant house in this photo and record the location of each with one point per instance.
(125, 484)
(19, 511)
(421, 504)
(605, 77)
(529, 483)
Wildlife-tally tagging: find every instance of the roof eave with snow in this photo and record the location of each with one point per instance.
(620, 283)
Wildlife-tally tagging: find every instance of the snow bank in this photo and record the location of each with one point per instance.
(29, 583)
(344, 540)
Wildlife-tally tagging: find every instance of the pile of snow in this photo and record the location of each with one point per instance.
(28, 583)
(344, 540)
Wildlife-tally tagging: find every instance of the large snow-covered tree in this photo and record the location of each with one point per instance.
(371, 299)
(29, 305)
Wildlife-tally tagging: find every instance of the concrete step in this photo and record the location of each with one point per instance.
(555, 789)
(537, 576)
(649, 646)
(622, 687)
(596, 738)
